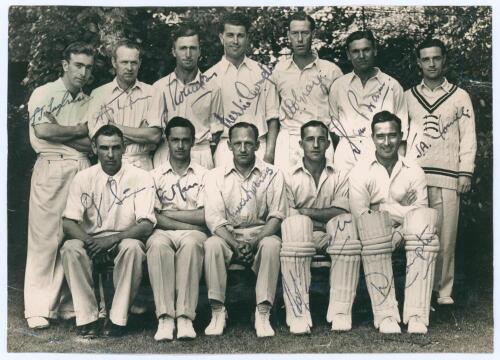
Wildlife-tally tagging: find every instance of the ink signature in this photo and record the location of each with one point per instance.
(56, 109)
(175, 188)
(178, 97)
(293, 291)
(130, 102)
(290, 106)
(89, 202)
(113, 187)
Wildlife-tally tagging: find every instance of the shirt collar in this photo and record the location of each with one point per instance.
(196, 79)
(300, 165)
(116, 176)
(167, 167)
(259, 165)
(376, 76)
(116, 87)
(226, 63)
(445, 85)
(401, 159)
(290, 62)
(60, 86)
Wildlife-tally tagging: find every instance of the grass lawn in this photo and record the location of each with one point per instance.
(467, 327)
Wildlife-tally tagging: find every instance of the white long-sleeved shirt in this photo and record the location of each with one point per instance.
(442, 137)
(370, 183)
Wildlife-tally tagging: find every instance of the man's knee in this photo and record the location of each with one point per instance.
(73, 247)
(158, 243)
(132, 246)
(194, 240)
(270, 245)
(213, 244)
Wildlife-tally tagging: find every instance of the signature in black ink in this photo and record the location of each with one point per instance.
(381, 283)
(291, 105)
(113, 187)
(246, 97)
(343, 133)
(175, 188)
(360, 107)
(56, 109)
(130, 102)
(293, 291)
(89, 202)
(178, 97)
(250, 193)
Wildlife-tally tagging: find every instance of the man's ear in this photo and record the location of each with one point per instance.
(113, 62)
(65, 65)
(94, 146)
(221, 37)
(257, 145)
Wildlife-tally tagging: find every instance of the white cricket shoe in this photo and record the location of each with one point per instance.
(262, 324)
(447, 300)
(416, 326)
(341, 323)
(38, 322)
(185, 328)
(389, 326)
(299, 326)
(217, 323)
(165, 330)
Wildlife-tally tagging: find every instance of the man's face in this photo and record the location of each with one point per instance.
(126, 64)
(186, 52)
(315, 142)
(243, 145)
(179, 143)
(300, 37)
(109, 150)
(235, 40)
(387, 138)
(362, 54)
(78, 69)
(431, 61)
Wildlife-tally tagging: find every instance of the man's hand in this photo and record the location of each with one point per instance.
(98, 246)
(50, 117)
(409, 198)
(304, 211)
(245, 253)
(464, 184)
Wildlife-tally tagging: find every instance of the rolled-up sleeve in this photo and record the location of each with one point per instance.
(276, 197)
(341, 191)
(216, 111)
(215, 212)
(272, 100)
(78, 201)
(333, 109)
(144, 200)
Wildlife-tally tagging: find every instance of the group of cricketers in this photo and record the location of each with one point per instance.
(250, 165)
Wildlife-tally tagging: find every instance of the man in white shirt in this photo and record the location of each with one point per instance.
(110, 210)
(357, 96)
(175, 249)
(59, 136)
(302, 81)
(188, 93)
(388, 198)
(125, 103)
(247, 94)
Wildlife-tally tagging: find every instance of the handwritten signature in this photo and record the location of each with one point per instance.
(294, 291)
(250, 193)
(179, 96)
(360, 108)
(291, 105)
(246, 96)
(56, 109)
(175, 188)
(89, 202)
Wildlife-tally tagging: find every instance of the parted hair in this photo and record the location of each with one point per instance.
(358, 35)
(385, 116)
(244, 124)
(129, 44)
(430, 42)
(78, 47)
(107, 130)
(302, 16)
(313, 123)
(235, 18)
(178, 121)
(187, 29)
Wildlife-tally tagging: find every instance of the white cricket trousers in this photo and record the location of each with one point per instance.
(44, 277)
(127, 275)
(266, 265)
(447, 203)
(175, 263)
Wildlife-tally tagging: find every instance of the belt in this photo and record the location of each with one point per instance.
(56, 156)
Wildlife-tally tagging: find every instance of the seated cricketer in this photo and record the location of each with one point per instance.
(245, 203)
(175, 249)
(318, 221)
(110, 210)
(388, 198)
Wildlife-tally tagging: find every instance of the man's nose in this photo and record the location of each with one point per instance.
(316, 143)
(188, 53)
(386, 140)
(110, 153)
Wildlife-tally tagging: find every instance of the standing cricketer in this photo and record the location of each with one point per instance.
(247, 93)
(60, 138)
(124, 103)
(110, 209)
(318, 221)
(175, 249)
(245, 203)
(388, 198)
(188, 93)
(442, 139)
(357, 96)
(303, 81)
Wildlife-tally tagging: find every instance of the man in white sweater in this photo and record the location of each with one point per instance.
(442, 138)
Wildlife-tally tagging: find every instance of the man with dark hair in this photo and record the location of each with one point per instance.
(244, 205)
(188, 93)
(125, 103)
(388, 198)
(442, 139)
(357, 96)
(110, 210)
(59, 136)
(318, 206)
(247, 94)
(302, 81)
(175, 249)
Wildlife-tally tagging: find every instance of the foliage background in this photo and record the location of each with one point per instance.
(37, 36)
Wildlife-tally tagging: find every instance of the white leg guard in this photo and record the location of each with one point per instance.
(422, 247)
(296, 255)
(345, 250)
(375, 233)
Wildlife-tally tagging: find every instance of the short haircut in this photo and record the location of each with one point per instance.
(78, 47)
(237, 19)
(129, 45)
(246, 125)
(107, 130)
(313, 123)
(187, 29)
(178, 121)
(358, 35)
(302, 16)
(427, 43)
(385, 116)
